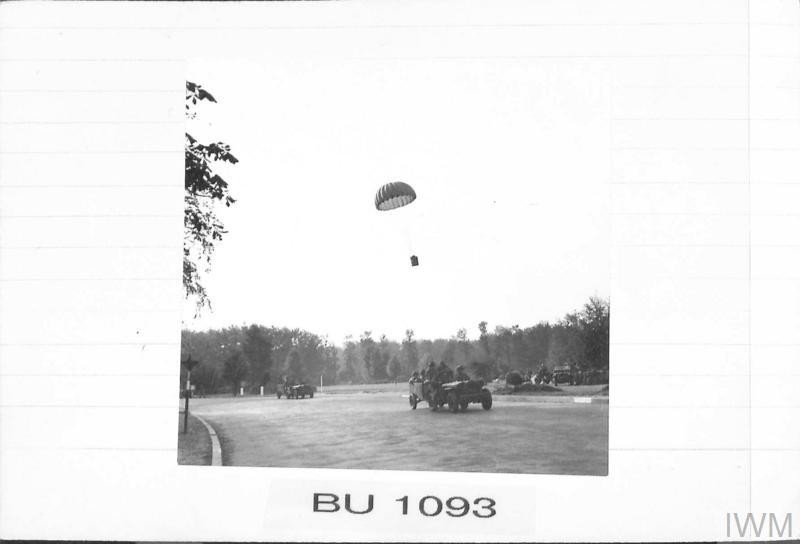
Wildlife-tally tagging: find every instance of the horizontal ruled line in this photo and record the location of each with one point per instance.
(92, 406)
(22, 280)
(67, 247)
(650, 449)
(706, 214)
(742, 148)
(690, 183)
(89, 344)
(94, 152)
(96, 216)
(41, 448)
(705, 119)
(619, 214)
(708, 245)
(95, 91)
(176, 185)
(72, 59)
(610, 24)
(180, 121)
(77, 375)
(564, 56)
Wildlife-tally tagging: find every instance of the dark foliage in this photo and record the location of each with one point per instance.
(203, 189)
(514, 378)
(579, 340)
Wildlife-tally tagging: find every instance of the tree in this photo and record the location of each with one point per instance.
(483, 340)
(348, 372)
(312, 353)
(483, 370)
(381, 360)
(294, 366)
(449, 352)
(580, 339)
(257, 350)
(203, 189)
(503, 347)
(409, 352)
(395, 368)
(368, 350)
(482, 364)
(235, 370)
(537, 339)
(464, 345)
(595, 317)
(331, 363)
(566, 345)
(518, 353)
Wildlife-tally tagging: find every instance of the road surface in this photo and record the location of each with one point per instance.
(378, 430)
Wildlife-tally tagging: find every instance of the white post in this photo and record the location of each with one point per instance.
(241, 391)
(262, 390)
(320, 382)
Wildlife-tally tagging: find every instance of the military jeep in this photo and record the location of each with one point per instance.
(563, 374)
(300, 391)
(460, 395)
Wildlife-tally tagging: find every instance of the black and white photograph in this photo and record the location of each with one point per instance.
(365, 271)
(396, 264)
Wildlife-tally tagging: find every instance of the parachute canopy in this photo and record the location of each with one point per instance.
(394, 195)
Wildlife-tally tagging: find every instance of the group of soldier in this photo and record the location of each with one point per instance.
(440, 373)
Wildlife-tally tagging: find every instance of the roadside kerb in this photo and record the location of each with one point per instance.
(216, 449)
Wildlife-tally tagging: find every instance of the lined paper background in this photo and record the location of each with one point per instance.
(704, 130)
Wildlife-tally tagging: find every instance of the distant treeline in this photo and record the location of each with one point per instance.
(254, 356)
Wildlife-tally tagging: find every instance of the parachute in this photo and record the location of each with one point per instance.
(394, 195)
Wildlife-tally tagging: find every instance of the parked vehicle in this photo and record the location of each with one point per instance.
(300, 391)
(456, 395)
(563, 374)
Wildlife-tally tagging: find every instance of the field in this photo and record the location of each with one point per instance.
(373, 427)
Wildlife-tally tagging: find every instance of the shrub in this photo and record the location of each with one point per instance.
(514, 378)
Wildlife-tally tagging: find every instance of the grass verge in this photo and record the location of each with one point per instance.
(194, 447)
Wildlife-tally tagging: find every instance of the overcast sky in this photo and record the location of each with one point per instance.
(509, 159)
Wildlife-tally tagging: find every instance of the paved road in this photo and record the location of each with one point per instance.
(380, 431)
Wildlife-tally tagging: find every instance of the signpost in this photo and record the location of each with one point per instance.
(189, 363)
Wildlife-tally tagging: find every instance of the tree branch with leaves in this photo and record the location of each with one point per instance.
(204, 189)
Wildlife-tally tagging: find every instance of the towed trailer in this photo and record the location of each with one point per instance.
(456, 395)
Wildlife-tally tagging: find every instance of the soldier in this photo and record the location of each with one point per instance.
(445, 373)
(461, 375)
(430, 372)
(429, 375)
(542, 374)
(415, 377)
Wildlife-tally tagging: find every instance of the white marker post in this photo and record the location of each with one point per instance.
(241, 391)
(262, 390)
